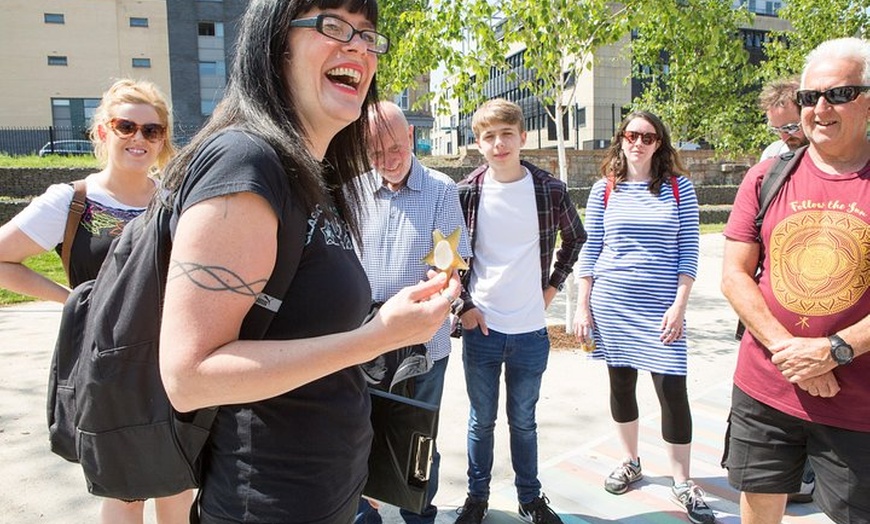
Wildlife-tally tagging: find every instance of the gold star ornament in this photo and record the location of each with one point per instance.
(445, 252)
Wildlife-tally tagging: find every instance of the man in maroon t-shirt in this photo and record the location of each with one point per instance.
(802, 384)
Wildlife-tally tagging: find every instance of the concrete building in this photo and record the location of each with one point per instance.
(59, 57)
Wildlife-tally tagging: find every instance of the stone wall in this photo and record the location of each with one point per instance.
(18, 186)
(715, 178)
(704, 168)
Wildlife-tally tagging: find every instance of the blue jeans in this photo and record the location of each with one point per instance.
(524, 357)
(429, 388)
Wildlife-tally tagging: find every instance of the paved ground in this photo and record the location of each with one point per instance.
(577, 448)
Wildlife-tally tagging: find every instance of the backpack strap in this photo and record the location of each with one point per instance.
(76, 209)
(608, 188)
(291, 241)
(771, 184)
(773, 181)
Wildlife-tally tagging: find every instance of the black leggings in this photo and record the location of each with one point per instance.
(673, 398)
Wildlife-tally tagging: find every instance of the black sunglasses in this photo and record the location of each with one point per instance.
(341, 30)
(835, 95)
(124, 128)
(645, 138)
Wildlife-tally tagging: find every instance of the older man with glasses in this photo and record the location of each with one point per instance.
(802, 383)
(777, 100)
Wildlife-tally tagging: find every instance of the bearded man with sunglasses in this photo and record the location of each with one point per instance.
(777, 100)
(802, 383)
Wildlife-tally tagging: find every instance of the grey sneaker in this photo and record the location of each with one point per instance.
(627, 473)
(690, 497)
(472, 512)
(538, 511)
(808, 485)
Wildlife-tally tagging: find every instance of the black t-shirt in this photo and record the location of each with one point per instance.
(301, 456)
(99, 226)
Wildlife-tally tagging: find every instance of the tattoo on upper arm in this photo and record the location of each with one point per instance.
(214, 278)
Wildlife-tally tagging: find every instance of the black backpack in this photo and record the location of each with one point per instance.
(772, 182)
(107, 408)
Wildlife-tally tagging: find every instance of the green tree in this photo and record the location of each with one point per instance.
(470, 39)
(698, 80)
(813, 22)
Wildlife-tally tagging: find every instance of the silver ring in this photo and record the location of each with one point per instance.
(670, 330)
(449, 298)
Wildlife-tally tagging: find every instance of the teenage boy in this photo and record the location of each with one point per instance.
(513, 211)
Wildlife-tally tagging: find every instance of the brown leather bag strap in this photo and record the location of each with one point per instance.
(76, 209)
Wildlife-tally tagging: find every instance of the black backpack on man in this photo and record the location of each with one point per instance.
(772, 182)
(107, 407)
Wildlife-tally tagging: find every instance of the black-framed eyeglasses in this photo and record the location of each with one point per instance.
(645, 138)
(835, 95)
(790, 129)
(341, 30)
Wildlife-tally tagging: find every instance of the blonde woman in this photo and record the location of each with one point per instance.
(132, 137)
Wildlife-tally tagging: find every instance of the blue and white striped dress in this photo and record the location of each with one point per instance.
(635, 250)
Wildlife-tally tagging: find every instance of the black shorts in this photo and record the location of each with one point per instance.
(765, 451)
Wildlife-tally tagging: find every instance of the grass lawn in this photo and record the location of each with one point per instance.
(47, 264)
(49, 161)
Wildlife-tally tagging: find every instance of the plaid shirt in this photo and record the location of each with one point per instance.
(556, 214)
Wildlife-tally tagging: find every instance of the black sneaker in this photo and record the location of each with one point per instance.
(627, 473)
(808, 485)
(538, 511)
(472, 512)
(690, 497)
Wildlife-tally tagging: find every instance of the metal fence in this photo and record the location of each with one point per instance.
(29, 140)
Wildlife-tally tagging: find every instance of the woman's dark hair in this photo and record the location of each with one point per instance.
(665, 161)
(258, 100)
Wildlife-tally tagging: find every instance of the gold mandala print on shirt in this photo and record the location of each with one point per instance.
(820, 263)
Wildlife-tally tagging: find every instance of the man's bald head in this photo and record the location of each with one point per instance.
(391, 143)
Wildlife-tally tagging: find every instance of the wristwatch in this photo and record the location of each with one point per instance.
(841, 352)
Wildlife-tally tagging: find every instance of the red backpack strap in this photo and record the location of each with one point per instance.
(76, 209)
(675, 187)
(608, 188)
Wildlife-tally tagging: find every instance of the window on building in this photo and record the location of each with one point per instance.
(136, 21)
(141, 62)
(207, 68)
(402, 100)
(551, 125)
(206, 29)
(53, 18)
(54, 60)
(74, 115)
(580, 117)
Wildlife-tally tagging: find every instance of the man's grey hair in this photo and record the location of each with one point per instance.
(856, 49)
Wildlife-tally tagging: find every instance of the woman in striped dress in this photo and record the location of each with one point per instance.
(636, 271)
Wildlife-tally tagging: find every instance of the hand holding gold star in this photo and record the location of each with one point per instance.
(445, 252)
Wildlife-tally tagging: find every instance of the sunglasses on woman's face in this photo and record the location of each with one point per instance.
(835, 95)
(645, 138)
(124, 128)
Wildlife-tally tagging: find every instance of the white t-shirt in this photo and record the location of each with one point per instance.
(44, 219)
(775, 149)
(505, 278)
